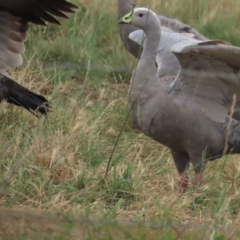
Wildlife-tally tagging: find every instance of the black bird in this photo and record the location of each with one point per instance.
(14, 20)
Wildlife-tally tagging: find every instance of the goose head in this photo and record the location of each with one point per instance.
(140, 17)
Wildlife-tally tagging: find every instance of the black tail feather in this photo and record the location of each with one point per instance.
(30, 101)
(16, 94)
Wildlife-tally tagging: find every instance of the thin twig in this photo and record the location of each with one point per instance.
(125, 121)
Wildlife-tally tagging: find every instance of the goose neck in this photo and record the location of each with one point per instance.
(152, 39)
(146, 69)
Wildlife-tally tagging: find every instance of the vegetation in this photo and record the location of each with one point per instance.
(52, 169)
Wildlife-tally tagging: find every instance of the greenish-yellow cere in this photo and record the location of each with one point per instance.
(128, 18)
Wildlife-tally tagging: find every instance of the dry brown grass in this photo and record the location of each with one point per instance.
(63, 149)
(18, 223)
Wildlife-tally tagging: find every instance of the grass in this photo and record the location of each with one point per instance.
(52, 169)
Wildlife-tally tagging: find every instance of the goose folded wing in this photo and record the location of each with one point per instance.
(208, 79)
(38, 11)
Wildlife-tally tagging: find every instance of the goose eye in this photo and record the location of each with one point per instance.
(140, 15)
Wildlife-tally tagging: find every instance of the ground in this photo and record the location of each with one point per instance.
(53, 169)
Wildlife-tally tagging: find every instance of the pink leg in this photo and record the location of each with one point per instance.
(183, 183)
(198, 180)
(181, 160)
(198, 163)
